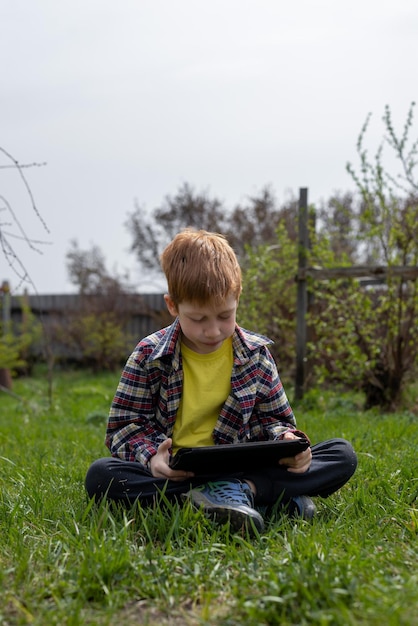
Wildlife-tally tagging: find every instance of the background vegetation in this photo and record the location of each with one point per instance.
(363, 336)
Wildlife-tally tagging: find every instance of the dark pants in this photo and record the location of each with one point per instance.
(333, 463)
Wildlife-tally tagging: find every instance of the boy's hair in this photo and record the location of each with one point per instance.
(201, 266)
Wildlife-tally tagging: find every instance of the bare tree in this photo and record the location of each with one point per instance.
(338, 218)
(151, 233)
(253, 223)
(11, 226)
(87, 271)
(96, 328)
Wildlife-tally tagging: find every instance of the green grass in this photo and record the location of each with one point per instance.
(63, 561)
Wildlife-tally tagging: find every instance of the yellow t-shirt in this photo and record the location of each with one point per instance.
(206, 386)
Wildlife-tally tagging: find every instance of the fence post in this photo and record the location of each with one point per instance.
(302, 294)
(5, 375)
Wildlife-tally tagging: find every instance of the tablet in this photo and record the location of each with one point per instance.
(236, 457)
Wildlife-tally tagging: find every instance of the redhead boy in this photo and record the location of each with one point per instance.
(203, 381)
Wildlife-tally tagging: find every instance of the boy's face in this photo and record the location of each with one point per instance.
(206, 327)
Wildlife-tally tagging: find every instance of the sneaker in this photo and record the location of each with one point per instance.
(301, 506)
(225, 501)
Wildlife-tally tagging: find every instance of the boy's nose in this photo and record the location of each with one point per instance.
(212, 331)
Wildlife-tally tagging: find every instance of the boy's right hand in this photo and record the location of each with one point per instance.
(301, 462)
(159, 464)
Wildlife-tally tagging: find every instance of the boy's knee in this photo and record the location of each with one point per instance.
(98, 478)
(348, 454)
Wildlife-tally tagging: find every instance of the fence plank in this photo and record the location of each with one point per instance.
(407, 272)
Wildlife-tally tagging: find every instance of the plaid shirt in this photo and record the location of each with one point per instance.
(145, 405)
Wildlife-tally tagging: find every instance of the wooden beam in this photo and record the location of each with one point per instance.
(407, 272)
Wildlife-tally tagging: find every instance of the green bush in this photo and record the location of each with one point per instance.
(99, 338)
(268, 301)
(16, 341)
(361, 335)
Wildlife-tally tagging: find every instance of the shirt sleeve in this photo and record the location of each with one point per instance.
(272, 409)
(133, 432)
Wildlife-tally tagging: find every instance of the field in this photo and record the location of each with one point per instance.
(66, 562)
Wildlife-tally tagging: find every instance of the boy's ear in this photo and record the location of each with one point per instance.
(172, 309)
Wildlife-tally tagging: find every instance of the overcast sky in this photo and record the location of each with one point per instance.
(127, 101)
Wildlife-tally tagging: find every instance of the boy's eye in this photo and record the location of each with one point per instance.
(198, 320)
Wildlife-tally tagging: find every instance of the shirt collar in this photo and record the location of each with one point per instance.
(244, 342)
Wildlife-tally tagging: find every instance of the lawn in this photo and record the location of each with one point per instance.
(64, 561)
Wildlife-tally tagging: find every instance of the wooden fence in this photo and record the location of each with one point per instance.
(142, 313)
(367, 273)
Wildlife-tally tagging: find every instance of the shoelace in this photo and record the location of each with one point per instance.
(235, 492)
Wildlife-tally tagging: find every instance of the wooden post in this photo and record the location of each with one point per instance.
(302, 294)
(5, 375)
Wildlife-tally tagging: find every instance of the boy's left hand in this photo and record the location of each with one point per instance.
(301, 462)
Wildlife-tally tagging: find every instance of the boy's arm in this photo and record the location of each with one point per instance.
(131, 438)
(276, 426)
(133, 433)
(273, 410)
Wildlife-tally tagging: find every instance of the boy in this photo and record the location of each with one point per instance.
(203, 381)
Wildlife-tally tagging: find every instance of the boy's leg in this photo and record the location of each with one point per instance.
(125, 481)
(333, 463)
(128, 481)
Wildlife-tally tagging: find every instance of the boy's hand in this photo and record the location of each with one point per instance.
(159, 464)
(301, 462)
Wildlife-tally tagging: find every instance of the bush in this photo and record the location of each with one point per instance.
(100, 339)
(16, 342)
(268, 301)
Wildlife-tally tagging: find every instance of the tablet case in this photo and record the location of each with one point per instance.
(236, 457)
